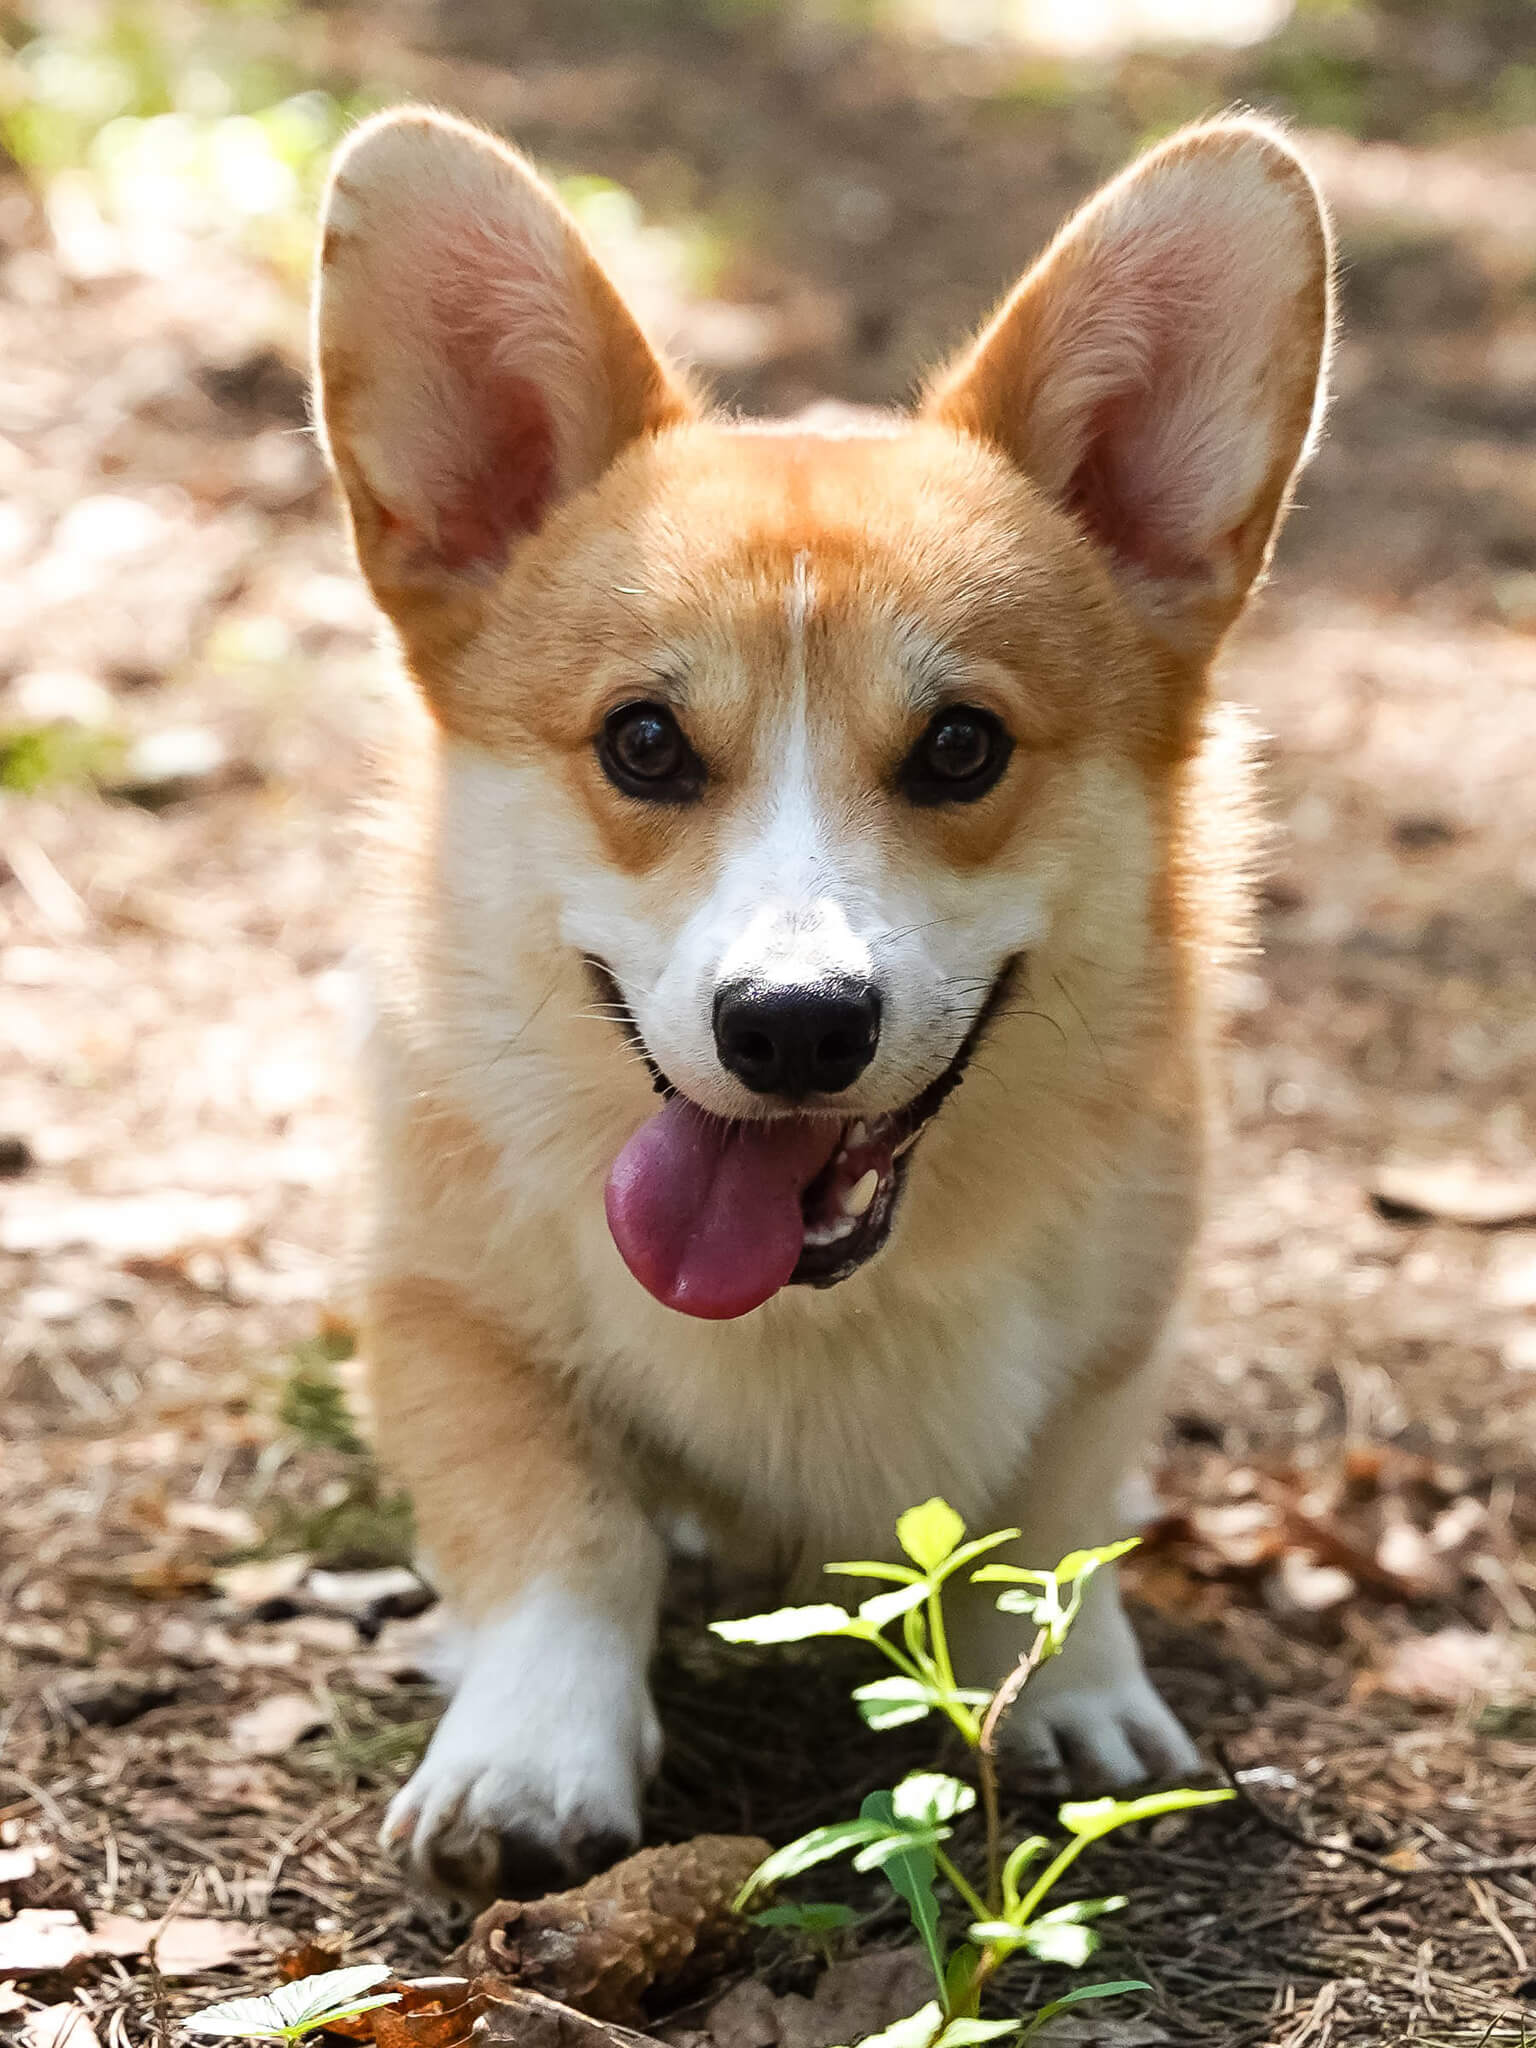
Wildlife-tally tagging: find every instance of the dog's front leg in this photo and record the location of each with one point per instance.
(1092, 1712)
(553, 1576)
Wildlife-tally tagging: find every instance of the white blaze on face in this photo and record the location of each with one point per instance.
(804, 897)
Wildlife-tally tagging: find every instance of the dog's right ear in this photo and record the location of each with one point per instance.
(474, 365)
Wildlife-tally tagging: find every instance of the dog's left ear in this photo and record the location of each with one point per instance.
(474, 365)
(1159, 372)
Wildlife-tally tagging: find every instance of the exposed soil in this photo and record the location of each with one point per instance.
(1342, 1594)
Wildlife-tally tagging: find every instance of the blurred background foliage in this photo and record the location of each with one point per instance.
(168, 119)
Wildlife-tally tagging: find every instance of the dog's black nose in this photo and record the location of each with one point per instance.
(797, 1041)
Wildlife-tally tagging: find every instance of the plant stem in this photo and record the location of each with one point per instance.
(986, 1764)
(940, 1640)
(968, 1892)
(1053, 1870)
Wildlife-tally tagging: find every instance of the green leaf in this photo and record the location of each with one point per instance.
(1080, 1997)
(1020, 1600)
(926, 1798)
(817, 1847)
(1076, 1562)
(883, 1607)
(868, 1568)
(977, 1547)
(1083, 1909)
(892, 1702)
(1019, 1859)
(961, 1990)
(1060, 1941)
(960, 2033)
(292, 2010)
(785, 1625)
(916, 2031)
(809, 1917)
(901, 1842)
(1094, 1817)
(929, 1533)
(910, 1873)
(1011, 1575)
(996, 1933)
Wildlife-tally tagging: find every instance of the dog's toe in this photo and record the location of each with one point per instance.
(1102, 1738)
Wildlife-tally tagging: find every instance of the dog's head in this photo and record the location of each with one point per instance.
(832, 730)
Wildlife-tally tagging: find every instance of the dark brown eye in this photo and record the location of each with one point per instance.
(960, 756)
(645, 752)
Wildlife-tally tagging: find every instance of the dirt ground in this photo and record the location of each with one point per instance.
(207, 1691)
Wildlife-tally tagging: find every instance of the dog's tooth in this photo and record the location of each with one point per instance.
(861, 1194)
(858, 1136)
(820, 1234)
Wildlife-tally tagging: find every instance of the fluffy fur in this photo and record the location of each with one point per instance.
(555, 526)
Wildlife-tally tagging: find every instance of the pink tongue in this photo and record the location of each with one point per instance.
(707, 1213)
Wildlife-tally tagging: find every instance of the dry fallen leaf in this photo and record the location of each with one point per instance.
(183, 1948)
(40, 1939)
(17, 1865)
(313, 1958)
(851, 1999)
(59, 2026)
(264, 1578)
(526, 2019)
(1452, 1666)
(275, 1724)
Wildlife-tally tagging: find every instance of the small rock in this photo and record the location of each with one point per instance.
(387, 1594)
(16, 1156)
(111, 1699)
(169, 767)
(276, 1724)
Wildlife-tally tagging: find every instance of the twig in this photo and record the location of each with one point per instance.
(163, 2029)
(1477, 1866)
(986, 1763)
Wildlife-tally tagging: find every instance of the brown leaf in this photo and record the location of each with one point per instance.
(430, 2025)
(1452, 1666)
(310, 1958)
(430, 1999)
(275, 1724)
(1465, 1193)
(183, 1947)
(59, 2026)
(658, 1919)
(526, 2019)
(851, 1999)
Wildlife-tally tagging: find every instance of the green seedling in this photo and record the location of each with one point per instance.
(294, 2010)
(902, 1833)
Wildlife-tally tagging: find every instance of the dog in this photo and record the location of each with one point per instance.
(767, 783)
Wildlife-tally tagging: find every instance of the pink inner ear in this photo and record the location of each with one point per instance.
(503, 484)
(1119, 498)
(1152, 459)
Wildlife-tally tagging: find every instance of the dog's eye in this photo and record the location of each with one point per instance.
(645, 752)
(958, 759)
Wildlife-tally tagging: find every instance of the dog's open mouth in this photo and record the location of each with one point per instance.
(714, 1216)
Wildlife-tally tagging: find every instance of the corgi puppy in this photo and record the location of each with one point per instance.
(797, 908)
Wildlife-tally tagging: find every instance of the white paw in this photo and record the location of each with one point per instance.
(1092, 1717)
(1100, 1737)
(533, 1778)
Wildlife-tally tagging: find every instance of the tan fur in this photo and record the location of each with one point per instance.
(1061, 536)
